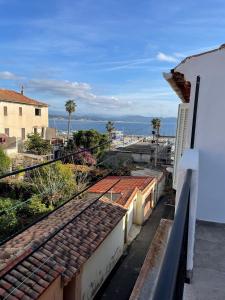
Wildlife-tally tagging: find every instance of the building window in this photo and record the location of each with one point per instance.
(20, 111)
(5, 111)
(23, 134)
(37, 112)
(42, 132)
(35, 130)
(7, 131)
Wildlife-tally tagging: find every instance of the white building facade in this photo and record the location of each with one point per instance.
(209, 128)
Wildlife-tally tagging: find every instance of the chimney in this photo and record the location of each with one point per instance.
(21, 90)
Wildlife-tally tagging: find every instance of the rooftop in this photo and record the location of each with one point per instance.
(89, 223)
(209, 263)
(14, 97)
(125, 187)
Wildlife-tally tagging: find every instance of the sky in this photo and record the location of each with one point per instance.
(107, 55)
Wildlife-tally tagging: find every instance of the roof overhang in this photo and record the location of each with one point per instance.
(178, 83)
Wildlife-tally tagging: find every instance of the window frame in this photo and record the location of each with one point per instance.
(5, 111)
(37, 110)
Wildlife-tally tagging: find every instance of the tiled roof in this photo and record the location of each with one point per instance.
(62, 254)
(125, 187)
(12, 96)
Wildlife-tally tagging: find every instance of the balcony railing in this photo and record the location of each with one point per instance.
(172, 276)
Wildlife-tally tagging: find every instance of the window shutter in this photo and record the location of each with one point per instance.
(181, 138)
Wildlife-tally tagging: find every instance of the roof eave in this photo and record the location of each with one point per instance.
(169, 78)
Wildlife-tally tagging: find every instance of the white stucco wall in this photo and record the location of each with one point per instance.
(210, 127)
(101, 263)
(130, 216)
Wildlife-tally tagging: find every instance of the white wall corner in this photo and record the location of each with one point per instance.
(189, 160)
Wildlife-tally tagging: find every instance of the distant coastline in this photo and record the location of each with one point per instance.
(117, 119)
(138, 126)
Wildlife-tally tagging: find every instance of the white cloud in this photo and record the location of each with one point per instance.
(168, 58)
(6, 75)
(79, 91)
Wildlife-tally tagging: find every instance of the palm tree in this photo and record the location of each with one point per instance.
(156, 122)
(110, 128)
(70, 106)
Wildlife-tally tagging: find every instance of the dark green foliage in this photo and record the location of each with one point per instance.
(35, 144)
(16, 189)
(54, 182)
(5, 162)
(8, 220)
(89, 139)
(32, 210)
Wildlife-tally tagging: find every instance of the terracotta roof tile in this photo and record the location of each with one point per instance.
(124, 188)
(12, 96)
(63, 254)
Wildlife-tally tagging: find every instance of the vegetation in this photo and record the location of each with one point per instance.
(8, 221)
(5, 162)
(31, 210)
(37, 145)
(110, 128)
(156, 123)
(70, 106)
(54, 183)
(42, 189)
(88, 139)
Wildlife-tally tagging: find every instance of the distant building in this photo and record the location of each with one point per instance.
(117, 135)
(137, 194)
(20, 115)
(144, 152)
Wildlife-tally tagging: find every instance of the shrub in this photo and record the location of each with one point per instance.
(8, 220)
(17, 189)
(88, 139)
(32, 209)
(5, 162)
(53, 182)
(35, 144)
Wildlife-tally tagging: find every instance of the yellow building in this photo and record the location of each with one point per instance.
(20, 115)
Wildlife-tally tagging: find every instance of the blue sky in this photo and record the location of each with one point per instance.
(108, 55)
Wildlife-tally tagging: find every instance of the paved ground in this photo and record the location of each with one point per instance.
(209, 263)
(122, 279)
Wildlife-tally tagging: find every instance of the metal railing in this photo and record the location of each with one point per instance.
(172, 276)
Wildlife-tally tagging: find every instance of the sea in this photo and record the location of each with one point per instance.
(168, 127)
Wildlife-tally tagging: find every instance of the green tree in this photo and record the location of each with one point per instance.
(70, 106)
(54, 183)
(37, 145)
(8, 220)
(5, 162)
(110, 128)
(156, 123)
(89, 139)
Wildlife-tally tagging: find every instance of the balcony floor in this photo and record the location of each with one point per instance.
(209, 263)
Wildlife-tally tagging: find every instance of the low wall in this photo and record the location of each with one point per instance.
(101, 263)
(145, 284)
